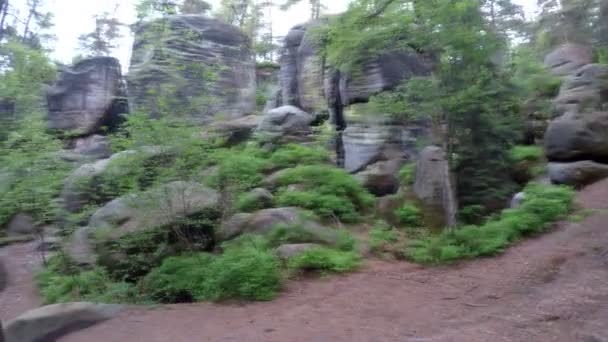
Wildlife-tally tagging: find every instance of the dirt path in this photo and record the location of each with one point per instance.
(553, 288)
(18, 263)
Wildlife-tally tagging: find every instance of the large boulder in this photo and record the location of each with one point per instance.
(580, 137)
(238, 130)
(433, 184)
(21, 224)
(264, 221)
(578, 173)
(49, 323)
(156, 208)
(286, 121)
(195, 65)
(93, 147)
(88, 96)
(568, 58)
(585, 90)
(382, 178)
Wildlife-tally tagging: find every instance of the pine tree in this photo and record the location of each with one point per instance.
(316, 7)
(104, 37)
(194, 7)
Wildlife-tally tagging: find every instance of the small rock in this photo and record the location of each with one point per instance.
(21, 224)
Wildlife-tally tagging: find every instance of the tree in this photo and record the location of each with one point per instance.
(505, 18)
(469, 98)
(147, 9)
(316, 7)
(194, 7)
(236, 12)
(103, 39)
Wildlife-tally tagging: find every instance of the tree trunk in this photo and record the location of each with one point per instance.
(3, 13)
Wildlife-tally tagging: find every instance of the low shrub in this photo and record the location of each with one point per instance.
(325, 259)
(380, 237)
(543, 206)
(522, 153)
(292, 155)
(327, 191)
(58, 283)
(409, 215)
(407, 174)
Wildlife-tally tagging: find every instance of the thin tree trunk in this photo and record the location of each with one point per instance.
(3, 12)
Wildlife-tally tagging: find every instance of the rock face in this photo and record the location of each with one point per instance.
(48, 323)
(433, 182)
(87, 97)
(576, 143)
(154, 208)
(568, 58)
(196, 64)
(264, 221)
(381, 178)
(584, 90)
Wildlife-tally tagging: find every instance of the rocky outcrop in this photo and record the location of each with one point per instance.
(88, 96)
(382, 178)
(264, 221)
(49, 323)
(576, 143)
(194, 65)
(155, 208)
(433, 183)
(568, 58)
(288, 251)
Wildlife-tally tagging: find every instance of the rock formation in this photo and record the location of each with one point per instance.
(364, 138)
(576, 142)
(194, 65)
(87, 96)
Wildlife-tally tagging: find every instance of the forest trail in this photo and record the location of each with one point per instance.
(17, 266)
(551, 288)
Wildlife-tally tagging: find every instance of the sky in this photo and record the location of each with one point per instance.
(75, 17)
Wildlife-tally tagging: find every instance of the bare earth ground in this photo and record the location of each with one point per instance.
(20, 294)
(552, 288)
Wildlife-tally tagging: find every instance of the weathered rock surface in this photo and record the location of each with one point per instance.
(237, 130)
(262, 197)
(433, 182)
(580, 137)
(286, 121)
(48, 323)
(517, 200)
(584, 90)
(157, 207)
(578, 173)
(291, 250)
(21, 224)
(264, 221)
(382, 178)
(93, 147)
(196, 64)
(568, 58)
(87, 97)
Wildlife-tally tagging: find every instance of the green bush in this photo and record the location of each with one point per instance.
(247, 203)
(292, 155)
(543, 206)
(523, 153)
(327, 191)
(407, 174)
(178, 279)
(242, 272)
(58, 283)
(409, 215)
(381, 236)
(325, 259)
